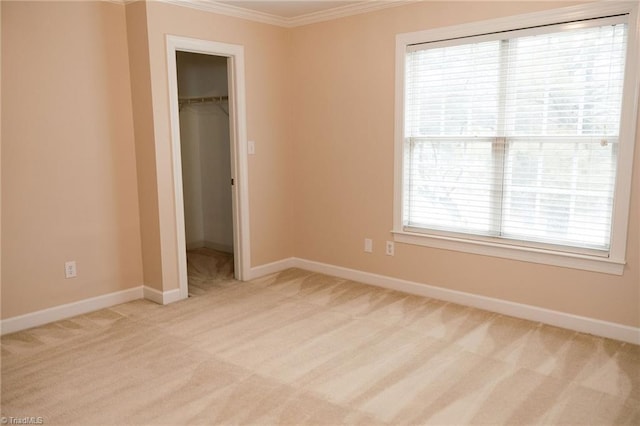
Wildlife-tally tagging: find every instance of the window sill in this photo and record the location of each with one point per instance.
(524, 254)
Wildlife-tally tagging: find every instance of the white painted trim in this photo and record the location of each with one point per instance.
(344, 11)
(509, 23)
(229, 10)
(628, 125)
(56, 313)
(398, 145)
(162, 297)
(356, 8)
(239, 163)
(522, 253)
(518, 310)
(238, 135)
(614, 264)
(273, 267)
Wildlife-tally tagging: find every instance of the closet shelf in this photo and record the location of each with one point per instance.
(202, 100)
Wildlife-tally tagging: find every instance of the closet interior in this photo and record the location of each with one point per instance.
(206, 166)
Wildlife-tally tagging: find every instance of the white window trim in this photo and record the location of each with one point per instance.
(614, 264)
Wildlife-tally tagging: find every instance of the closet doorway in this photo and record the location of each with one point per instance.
(205, 150)
(208, 141)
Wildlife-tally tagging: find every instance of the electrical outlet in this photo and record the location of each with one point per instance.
(390, 248)
(70, 270)
(251, 147)
(368, 245)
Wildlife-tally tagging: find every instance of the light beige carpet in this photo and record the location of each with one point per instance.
(303, 348)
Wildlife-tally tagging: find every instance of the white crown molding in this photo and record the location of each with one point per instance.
(229, 10)
(267, 18)
(344, 11)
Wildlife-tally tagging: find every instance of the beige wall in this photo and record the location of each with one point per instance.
(266, 51)
(68, 169)
(142, 104)
(344, 132)
(95, 192)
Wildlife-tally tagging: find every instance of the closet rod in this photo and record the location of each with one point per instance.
(188, 101)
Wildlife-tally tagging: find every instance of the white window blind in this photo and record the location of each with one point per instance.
(514, 136)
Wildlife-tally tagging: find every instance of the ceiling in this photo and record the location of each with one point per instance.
(289, 9)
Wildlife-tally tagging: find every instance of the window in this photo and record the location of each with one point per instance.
(515, 140)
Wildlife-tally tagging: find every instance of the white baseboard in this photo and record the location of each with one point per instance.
(162, 297)
(270, 268)
(56, 313)
(533, 313)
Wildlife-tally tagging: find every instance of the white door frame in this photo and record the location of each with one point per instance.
(238, 135)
